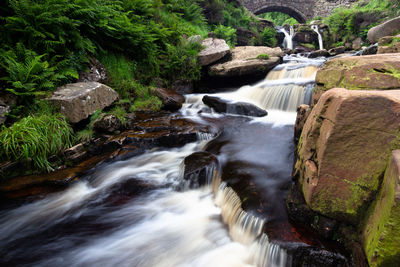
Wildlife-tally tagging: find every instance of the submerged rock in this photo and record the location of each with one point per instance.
(214, 50)
(239, 108)
(319, 53)
(77, 101)
(385, 29)
(171, 100)
(245, 61)
(199, 169)
(344, 149)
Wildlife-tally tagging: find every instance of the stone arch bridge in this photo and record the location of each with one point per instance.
(301, 10)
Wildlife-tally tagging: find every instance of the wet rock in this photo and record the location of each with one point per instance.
(171, 100)
(214, 50)
(77, 101)
(319, 53)
(374, 72)
(199, 169)
(307, 256)
(107, 124)
(389, 44)
(302, 114)
(302, 49)
(385, 29)
(337, 50)
(96, 72)
(306, 37)
(239, 108)
(370, 50)
(244, 62)
(342, 158)
(381, 237)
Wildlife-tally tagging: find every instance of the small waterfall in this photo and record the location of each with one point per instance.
(288, 41)
(285, 88)
(320, 41)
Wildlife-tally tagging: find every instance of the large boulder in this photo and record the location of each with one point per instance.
(77, 101)
(214, 50)
(246, 60)
(171, 100)
(344, 148)
(239, 108)
(385, 29)
(373, 72)
(381, 233)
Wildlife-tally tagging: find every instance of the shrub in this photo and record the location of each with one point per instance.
(268, 37)
(35, 138)
(180, 62)
(227, 33)
(28, 75)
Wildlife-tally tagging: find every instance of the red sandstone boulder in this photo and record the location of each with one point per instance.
(385, 29)
(344, 148)
(381, 233)
(373, 72)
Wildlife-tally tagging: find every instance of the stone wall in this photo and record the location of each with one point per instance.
(301, 10)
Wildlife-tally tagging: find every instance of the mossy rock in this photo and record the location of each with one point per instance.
(381, 231)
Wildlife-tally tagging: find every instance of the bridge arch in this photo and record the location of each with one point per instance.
(296, 14)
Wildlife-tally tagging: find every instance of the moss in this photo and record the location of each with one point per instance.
(263, 57)
(311, 46)
(381, 235)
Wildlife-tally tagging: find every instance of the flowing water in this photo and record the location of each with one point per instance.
(288, 41)
(320, 41)
(131, 213)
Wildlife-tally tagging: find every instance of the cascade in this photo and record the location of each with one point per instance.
(320, 41)
(140, 212)
(288, 41)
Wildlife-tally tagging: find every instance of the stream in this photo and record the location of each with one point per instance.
(135, 213)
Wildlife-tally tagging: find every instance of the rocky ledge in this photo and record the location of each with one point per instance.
(146, 132)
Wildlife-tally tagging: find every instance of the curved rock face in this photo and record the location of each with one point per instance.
(381, 233)
(77, 101)
(244, 61)
(344, 148)
(373, 72)
(389, 44)
(385, 29)
(214, 50)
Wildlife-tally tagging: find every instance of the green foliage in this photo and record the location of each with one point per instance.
(345, 23)
(36, 138)
(180, 61)
(268, 37)
(150, 103)
(227, 33)
(29, 75)
(263, 57)
(120, 113)
(279, 18)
